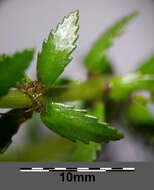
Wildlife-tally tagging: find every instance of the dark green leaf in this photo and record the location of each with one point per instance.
(9, 125)
(76, 124)
(62, 81)
(96, 60)
(23, 80)
(147, 66)
(56, 51)
(12, 69)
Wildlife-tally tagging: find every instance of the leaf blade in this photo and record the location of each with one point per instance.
(88, 152)
(147, 66)
(76, 124)
(56, 51)
(12, 69)
(123, 86)
(94, 61)
(85, 152)
(138, 112)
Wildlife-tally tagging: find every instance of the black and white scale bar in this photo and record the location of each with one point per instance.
(77, 169)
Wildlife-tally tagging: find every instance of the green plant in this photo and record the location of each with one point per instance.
(85, 128)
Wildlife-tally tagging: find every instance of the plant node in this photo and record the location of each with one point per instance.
(34, 90)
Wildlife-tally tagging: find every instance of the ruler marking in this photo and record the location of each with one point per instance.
(59, 169)
(91, 170)
(118, 169)
(34, 170)
(37, 168)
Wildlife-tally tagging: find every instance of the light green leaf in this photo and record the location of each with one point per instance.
(95, 59)
(122, 86)
(139, 113)
(140, 118)
(76, 124)
(12, 68)
(85, 152)
(56, 51)
(147, 66)
(99, 110)
(88, 152)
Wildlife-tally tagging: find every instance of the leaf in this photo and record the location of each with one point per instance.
(23, 80)
(9, 125)
(99, 110)
(95, 59)
(76, 124)
(139, 113)
(102, 67)
(140, 118)
(85, 152)
(12, 68)
(147, 66)
(88, 152)
(122, 86)
(62, 81)
(56, 51)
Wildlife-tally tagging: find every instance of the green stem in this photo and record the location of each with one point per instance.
(15, 99)
(116, 88)
(91, 89)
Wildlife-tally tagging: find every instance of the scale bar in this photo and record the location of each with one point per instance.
(77, 169)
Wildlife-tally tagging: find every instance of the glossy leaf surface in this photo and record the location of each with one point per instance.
(76, 124)
(56, 51)
(88, 152)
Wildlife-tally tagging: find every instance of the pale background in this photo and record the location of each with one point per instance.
(25, 23)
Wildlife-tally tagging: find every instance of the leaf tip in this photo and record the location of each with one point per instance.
(75, 13)
(121, 136)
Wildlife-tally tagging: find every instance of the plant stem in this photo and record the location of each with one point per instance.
(15, 99)
(116, 88)
(91, 89)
